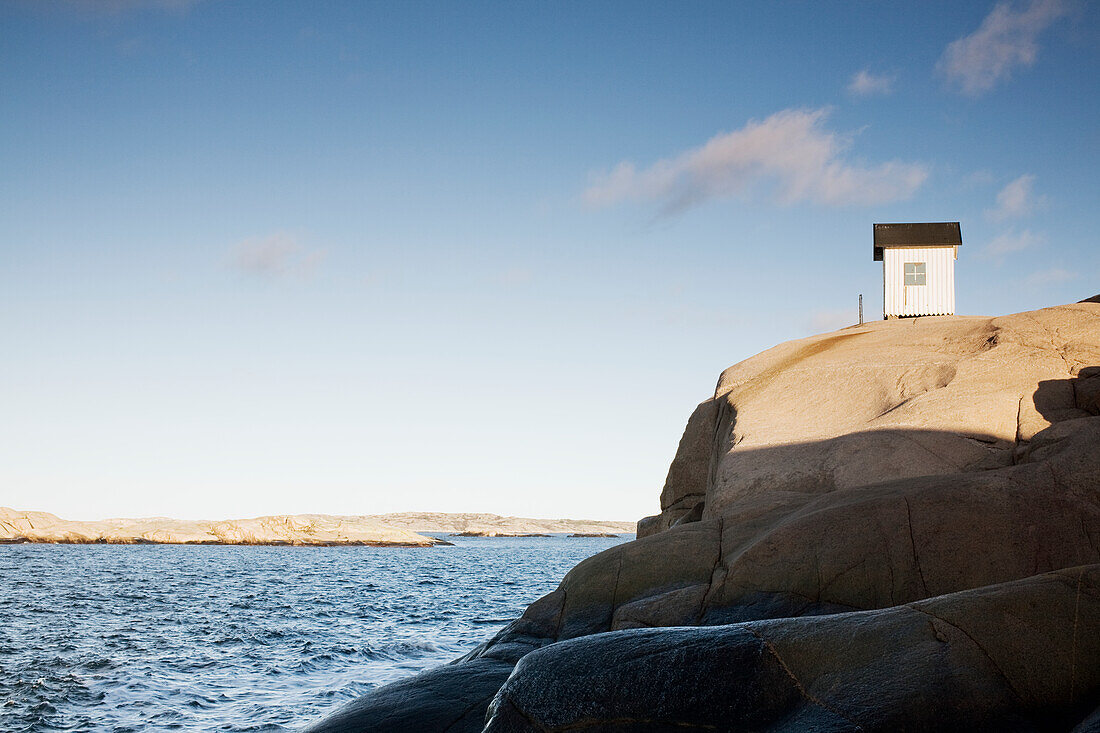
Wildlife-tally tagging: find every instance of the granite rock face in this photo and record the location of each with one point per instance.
(886, 400)
(984, 659)
(891, 527)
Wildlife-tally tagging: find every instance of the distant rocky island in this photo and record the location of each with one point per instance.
(892, 527)
(495, 533)
(379, 530)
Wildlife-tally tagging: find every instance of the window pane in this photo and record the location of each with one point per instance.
(914, 273)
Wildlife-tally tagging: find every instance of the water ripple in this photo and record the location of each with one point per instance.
(149, 637)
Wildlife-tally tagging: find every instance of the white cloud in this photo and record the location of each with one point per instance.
(1050, 277)
(275, 254)
(1010, 243)
(790, 149)
(1006, 39)
(864, 84)
(1015, 200)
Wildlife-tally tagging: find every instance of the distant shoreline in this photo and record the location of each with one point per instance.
(297, 530)
(215, 543)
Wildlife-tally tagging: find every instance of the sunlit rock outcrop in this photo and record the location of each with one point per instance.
(894, 526)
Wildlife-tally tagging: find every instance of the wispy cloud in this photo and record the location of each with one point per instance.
(1010, 243)
(790, 150)
(1006, 39)
(865, 84)
(121, 6)
(109, 9)
(1052, 276)
(977, 179)
(1015, 200)
(276, 254)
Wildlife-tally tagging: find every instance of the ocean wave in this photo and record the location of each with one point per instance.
(242, 639)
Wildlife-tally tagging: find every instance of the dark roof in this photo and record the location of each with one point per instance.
(929, 234)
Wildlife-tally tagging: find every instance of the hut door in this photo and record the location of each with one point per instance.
(916, 275)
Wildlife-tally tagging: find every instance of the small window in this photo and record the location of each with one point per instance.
(914, 273)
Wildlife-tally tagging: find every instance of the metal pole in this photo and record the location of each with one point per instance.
(861, 309)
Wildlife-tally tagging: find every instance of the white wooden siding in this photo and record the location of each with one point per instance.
(935, 298)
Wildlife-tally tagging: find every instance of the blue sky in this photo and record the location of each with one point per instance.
(265, 257)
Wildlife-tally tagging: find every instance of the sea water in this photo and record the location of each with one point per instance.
(206, 638)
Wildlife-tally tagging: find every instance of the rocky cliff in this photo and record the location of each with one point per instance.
(891, 527)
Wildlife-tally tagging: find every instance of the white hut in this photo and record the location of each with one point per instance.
(918, 267)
